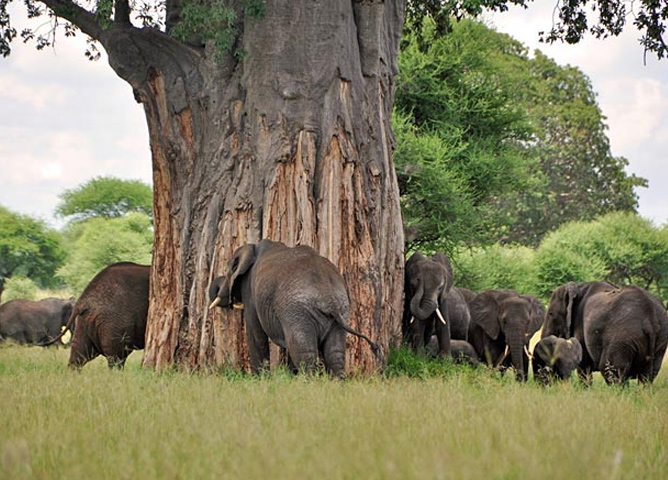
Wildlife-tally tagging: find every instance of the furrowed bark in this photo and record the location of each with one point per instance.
(292, 142)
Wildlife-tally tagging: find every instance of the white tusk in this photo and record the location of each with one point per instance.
(505, 354)
(215, 303)
(440, 316)
(412, 319)
(238, 306)
(526, 350)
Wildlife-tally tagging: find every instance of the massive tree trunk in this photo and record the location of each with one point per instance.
(289, 140)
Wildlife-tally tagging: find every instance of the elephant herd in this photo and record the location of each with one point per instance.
(298, 300)
(621, 332)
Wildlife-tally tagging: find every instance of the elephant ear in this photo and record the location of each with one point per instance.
(485, 312)
(242, 260)
(449, 276)
(571, 294)
(537, 315)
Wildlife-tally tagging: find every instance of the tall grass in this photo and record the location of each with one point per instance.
(418, 421)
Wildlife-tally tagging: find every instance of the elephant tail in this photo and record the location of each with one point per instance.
(375, 348)
(68, 328)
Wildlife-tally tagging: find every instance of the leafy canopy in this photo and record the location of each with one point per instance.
(106, 197)
(28, 248)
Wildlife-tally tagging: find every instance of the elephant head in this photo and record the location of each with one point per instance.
(556, 357)
(559, 317)
(502, 323)
(225, 291)
(426, 281)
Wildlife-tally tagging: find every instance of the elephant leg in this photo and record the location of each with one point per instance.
(615, 364)
(116, 362)
(258, 344)
(443, 335)
(334, 352)
(81, 353)
(303, 348)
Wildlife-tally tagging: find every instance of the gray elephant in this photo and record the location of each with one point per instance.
(623, 331)
(293, 297)
(502, 324)
(461, 351)
(455, 309)
(427, 280)
(555, 357)
(35, 323)
(111, 315)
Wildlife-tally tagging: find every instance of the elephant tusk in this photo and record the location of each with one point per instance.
(505, 354)
(529, 355)
(440, 316)
(412, 319)
(238, 306)
(215, 303)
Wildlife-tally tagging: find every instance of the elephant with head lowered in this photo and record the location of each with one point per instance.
(291, 296)
(427, 281)
(110, 316)
(623, 331)
(556, 358)
(502, 324)
(34, 323)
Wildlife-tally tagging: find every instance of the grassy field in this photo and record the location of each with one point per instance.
(441, 423)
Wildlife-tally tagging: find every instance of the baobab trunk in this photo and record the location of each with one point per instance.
(289, 140)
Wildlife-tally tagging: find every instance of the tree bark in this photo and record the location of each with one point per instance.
(289, 141)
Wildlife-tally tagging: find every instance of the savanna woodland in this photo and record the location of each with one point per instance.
(273, 119)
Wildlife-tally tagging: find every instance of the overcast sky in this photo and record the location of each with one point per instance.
(65, 120)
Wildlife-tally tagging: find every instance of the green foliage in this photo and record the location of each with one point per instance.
(19, 287)
(459, 134)
(98, 242)
(28, 248)
(498, 267)
(215, 22)
(620, 247)
(106, 197)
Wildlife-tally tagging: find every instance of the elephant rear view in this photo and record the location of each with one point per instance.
(111, 315)
(623, 331)
(293, 296)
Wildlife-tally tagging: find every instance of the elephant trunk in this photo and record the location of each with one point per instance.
(423, 305)
(516, 344)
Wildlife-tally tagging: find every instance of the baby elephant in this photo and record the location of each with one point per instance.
(556, 357)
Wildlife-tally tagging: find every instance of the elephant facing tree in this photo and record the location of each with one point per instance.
(623, 331)
(35, 323)
(502, 324)
(111, 315)
(293, 297)
(555, 357)
(427, 281)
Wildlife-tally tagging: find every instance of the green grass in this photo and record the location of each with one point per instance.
(420, 421)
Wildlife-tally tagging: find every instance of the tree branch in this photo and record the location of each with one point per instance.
(122, 11)
(82, 18)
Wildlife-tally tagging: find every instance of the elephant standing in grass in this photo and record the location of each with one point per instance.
(502, 324)
(427, 281)
(623, 331)
(34, 323)
(111, 315)
(292, 296)
(555, 357)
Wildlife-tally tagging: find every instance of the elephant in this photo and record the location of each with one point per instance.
(455, 309)
(460, 350)
(109, 318)
(555, 357)
(426, 281)
(34, 323)
(623, 331)
(292, 296)
(502, 324)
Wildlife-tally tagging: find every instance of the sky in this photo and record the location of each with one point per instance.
(65, 119)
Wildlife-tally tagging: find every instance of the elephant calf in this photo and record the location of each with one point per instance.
(556, 357)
